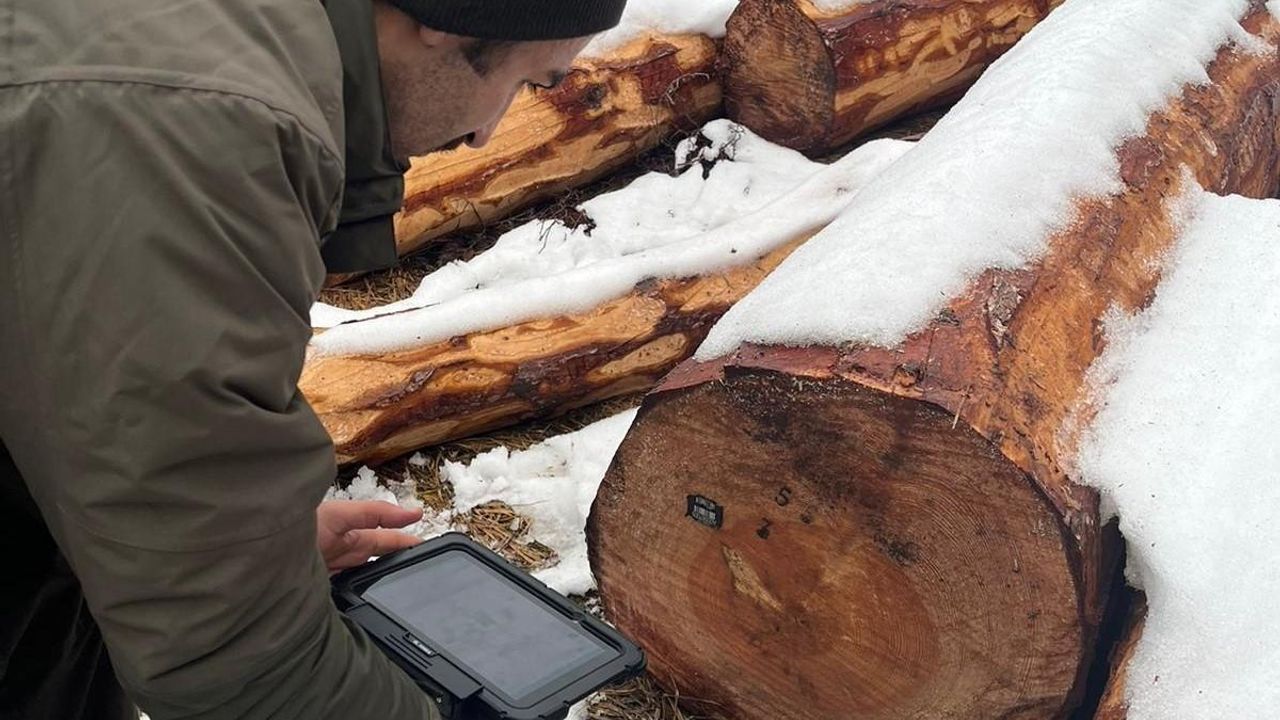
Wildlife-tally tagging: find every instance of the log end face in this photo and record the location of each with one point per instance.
(779, 76)
(799, 547)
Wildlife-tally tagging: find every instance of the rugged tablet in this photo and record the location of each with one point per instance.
(480, 636)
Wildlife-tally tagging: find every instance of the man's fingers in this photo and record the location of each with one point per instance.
(364, 544)
(349, 532)
(368, 514)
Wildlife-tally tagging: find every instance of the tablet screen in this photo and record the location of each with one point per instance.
(471, 613)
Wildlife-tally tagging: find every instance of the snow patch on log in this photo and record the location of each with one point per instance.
(727, 171)
(1184, 448)
(664, 17)
(552, 484)
(994, 179)
(658, 227)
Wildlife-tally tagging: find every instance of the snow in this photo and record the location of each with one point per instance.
(1184, 447)
(655, 210)
(366, 486)
(552, 484)
(831, 7)
(658, 227)
(994, 179)
(665, 17)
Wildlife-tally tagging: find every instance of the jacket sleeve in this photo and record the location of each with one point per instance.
(160, 262)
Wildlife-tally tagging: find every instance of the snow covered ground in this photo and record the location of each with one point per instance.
(551, 484)
(755, 197)
(1186, 449)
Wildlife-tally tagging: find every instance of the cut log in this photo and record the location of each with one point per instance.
(814, 80)
(607, 111)
(1113, 705)
(889, 533)
(378, 407)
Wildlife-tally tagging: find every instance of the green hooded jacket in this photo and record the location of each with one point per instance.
(167, 171)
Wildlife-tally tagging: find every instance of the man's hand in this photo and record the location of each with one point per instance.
(349, 532)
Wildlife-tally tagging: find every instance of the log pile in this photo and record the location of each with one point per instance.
(603, 115)
(813, 80)
(889, 533)
(460, 363)
(380, 406)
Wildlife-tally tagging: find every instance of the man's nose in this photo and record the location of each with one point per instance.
(481, 137)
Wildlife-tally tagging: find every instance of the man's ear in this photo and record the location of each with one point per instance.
(437, 40)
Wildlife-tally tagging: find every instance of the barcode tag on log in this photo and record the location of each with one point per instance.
(705, 510)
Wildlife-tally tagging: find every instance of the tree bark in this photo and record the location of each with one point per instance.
(1113, 705)
(814, 80)
(378, 407)
(897, 535)
(607, 111)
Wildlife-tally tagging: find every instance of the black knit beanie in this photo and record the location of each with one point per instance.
(515, 19)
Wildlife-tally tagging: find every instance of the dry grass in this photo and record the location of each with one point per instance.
(499, 527)
(388, 286)
(641, 699)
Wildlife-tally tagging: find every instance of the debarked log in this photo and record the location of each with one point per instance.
(606, 112)
(815, 79)
(377, 407)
